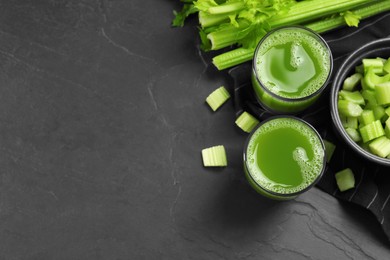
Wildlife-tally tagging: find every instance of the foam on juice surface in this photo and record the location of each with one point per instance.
(298, 38)
(310, 169)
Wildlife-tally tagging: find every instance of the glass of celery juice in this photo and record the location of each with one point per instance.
(291, 67)
(283, 157)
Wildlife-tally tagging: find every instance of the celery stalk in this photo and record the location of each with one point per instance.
(345, 179)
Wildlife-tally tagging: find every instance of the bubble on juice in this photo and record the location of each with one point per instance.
(297, 37)
(310, 168)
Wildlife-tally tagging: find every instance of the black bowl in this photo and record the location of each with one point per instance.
(378, 48)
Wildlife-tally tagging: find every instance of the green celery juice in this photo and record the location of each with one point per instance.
(284, 157)
(290, 69)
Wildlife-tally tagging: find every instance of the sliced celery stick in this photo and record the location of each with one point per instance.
(345, 179)
(343, 120)
(375, 64)
(354, 97)
(354, 134)
(348, 108)
(380, 146)
(214, 156)
(217, 98)
(246, 122)
(366, 117)
(382, 93)
(371, 131)
(386, 66)
(351, 82)
(329, 149)
(352, 122)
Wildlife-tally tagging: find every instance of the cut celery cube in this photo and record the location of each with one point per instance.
(352, 82)
(352, 122)
(366, 117)
(354, 134)
(372, 131)
(329, 149)
(246, 122)
(376, 65)
(348, 108)
(386, 66)
(217, 98)
(214, 156)
(354, 97)
(382, 93)
(345, 179)
(380, 146)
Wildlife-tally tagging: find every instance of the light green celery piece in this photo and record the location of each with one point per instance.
(359, 69)
(348, 108)
(382, 93)
(343, 120)
(352, 82)
(379, 112)
(387, 128)
(214, 156)
(370, 78)
(387, 111)
(227, 8)
(354, 134)
(351, 18)
(372, 131)
(329, 149)
(369, 95)
(366, 117)
(233, 57)
(217, 98)
(386, 66)
(208, 20)
(354, 97)
(380, 146)
(352, 122)
(376, 65)
(304, 11)
(345, 179)
(246, 122)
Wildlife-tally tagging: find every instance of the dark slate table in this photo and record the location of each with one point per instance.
(102, 119)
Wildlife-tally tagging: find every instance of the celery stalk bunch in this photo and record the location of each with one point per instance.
(241, 24)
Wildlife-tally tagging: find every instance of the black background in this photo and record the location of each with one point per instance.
(102, 120)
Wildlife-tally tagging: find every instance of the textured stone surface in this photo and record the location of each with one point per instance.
(102, 119)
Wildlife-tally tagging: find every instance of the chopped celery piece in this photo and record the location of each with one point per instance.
(354, 97)
(380, 146)
(345, 179)
(386, 66)
(369, 95)
(367, 117)
(370, 79)
(354, 134)
(382, 93)
(371, 131)
(329, 149)
(348, 108)
(387, 111)
(217, 98)
(375, 64)
(351, 82)
(359, 69)
(387, 128)
(352, 122)
(246, 122)
(379, 112)
(214, 156)
(343, 120)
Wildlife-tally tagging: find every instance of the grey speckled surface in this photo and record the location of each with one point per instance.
(102, 119)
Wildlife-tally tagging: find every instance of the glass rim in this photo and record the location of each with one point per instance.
(285, 195)
(318, 37)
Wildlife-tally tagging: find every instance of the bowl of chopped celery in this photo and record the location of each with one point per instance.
(360, 101)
